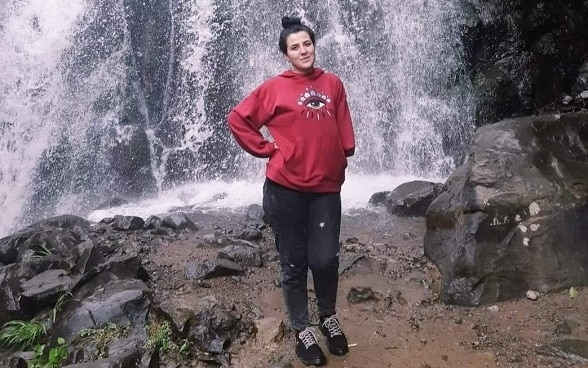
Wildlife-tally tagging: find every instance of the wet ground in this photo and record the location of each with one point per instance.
(405, 326)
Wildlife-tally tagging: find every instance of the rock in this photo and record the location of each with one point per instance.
(250, 233)
(567, 99)
(243, 255)
(532, 295)
(213, 268)
(127, 360)
(505, 224)
(255, 214)
(179, 221)
(152, 222)
(11, 304)
(379, 199)
(360, 294)
(122, 302)
(215, 324)
(45, 288)
(412, 198)
(573, 293)
(127, 223)
(493, 308)
(584, 95)
(569, 349)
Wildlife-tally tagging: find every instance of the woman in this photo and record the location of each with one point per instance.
(305, 110)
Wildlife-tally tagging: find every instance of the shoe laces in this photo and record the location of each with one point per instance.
(307, 337)
(333, 326)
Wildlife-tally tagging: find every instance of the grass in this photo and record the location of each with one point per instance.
(21, 334)
(59, 304)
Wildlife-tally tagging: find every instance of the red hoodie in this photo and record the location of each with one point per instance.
(308, 118)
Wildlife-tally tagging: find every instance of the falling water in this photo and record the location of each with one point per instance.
(121, 98)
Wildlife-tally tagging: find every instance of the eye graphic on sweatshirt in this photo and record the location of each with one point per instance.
(315, 104)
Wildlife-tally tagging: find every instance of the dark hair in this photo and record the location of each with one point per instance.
(292, 25)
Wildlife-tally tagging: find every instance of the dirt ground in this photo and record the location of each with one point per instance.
(404, 327)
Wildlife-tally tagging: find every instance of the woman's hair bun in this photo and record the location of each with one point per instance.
(288, 22)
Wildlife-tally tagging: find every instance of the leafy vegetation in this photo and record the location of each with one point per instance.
(159, 336)
(103, 336)
(55, 356)
(21, 334)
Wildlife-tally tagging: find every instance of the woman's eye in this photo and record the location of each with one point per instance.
(315, 103)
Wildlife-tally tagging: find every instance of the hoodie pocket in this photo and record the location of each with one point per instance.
(318, 158)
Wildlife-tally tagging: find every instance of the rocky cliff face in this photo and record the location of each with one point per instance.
(525, 56)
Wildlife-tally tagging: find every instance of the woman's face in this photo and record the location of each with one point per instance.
(300, 52)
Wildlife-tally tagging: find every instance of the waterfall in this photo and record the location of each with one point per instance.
(125, 98)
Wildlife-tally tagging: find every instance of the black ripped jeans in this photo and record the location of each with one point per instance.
(306, 226)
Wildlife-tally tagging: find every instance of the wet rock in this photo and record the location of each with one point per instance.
(122, 302)
(13, 361)
(213, 268)
(9, 249)
(361, 294)
(45, 288)
(215, 325)
(250, 233)
(128, 360)
(127, 223)
(412, 198)
(152, 222)
(11, 304)
(379, 199)
(243, 255)
(89, 257)
(179, 221)
(255, 214)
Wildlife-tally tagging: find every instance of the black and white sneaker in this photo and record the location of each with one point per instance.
(336, 340)
(307, 348)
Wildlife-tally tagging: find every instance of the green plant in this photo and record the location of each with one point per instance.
(103, 336)
(58, 305)
(55, 356)
(21, 334)
(184, 347)
(159, 336)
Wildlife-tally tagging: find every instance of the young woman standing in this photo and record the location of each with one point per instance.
(305, 110)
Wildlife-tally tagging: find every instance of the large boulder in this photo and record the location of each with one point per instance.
(515, 216)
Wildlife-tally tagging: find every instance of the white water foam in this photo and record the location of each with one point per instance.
(235, 196)
(34, 35)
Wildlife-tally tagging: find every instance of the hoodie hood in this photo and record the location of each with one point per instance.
(317, 72)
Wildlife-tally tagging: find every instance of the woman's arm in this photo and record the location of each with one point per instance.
(245, 121)
(344, 123)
